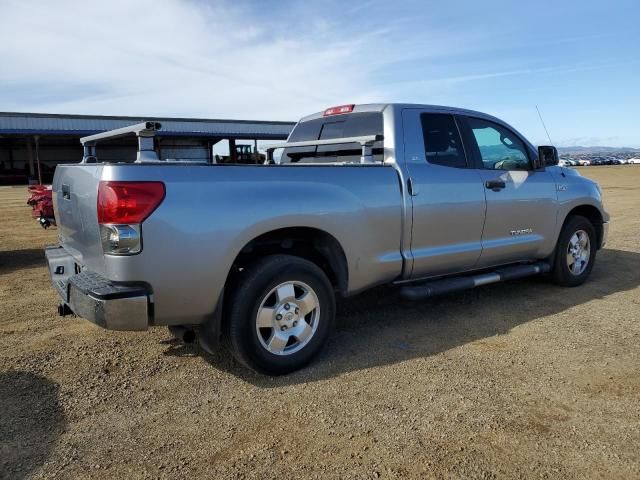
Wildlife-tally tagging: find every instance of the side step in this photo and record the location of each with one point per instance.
(446, 285)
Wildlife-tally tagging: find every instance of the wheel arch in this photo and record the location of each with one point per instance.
(313, 244)
(593, 214)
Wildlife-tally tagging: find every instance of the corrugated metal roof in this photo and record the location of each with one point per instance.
(54, 124)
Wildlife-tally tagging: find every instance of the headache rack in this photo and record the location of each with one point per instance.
(145, 132)
(366, 142)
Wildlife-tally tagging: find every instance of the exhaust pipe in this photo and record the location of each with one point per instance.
(64, 310)
(184, 334)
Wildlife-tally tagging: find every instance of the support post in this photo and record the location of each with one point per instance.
(10, 144)
(146, 152)
(36, 139)
(232, 150)
(89, 155)
(32, 170)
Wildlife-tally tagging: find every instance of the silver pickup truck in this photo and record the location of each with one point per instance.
(431, 199)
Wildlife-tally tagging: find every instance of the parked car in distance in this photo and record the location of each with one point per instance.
(634, 161)
(584, 163)
(430, 199)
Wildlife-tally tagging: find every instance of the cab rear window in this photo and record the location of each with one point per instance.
(339, 126)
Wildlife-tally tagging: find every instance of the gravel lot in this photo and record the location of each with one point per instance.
(521, 379)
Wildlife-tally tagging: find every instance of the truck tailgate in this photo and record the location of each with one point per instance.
(75, 189)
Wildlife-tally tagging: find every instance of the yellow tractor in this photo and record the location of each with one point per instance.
(246, 154)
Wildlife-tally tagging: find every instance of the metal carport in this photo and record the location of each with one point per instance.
(32, 144)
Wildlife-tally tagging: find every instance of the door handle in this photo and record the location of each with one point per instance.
(496, 184)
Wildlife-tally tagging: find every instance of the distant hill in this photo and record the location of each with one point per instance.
(579, 149)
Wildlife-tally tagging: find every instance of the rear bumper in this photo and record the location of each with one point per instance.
(110, 305)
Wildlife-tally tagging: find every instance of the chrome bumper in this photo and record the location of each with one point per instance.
(110, 305)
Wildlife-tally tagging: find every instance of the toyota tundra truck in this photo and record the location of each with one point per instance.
(430, 199)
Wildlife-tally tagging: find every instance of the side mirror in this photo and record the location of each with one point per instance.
(547, 156)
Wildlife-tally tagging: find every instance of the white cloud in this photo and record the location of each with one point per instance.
(175, 58)
(211, 59)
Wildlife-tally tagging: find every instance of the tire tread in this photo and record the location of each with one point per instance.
(250, 284)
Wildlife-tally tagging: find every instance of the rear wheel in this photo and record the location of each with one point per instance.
(280, 314)
(575, 252)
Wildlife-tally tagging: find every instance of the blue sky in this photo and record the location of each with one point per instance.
(579, 61)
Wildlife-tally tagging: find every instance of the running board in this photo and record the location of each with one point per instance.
(454, 284)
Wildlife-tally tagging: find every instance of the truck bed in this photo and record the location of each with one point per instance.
(211, 212)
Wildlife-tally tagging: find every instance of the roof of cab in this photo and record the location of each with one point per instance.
(380, 107)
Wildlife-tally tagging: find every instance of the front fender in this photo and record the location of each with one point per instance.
(575, 191)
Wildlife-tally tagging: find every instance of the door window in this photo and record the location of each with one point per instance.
(500, 148)
(442, 144)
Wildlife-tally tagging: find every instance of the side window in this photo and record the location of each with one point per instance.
(442, 144)
(500, 148)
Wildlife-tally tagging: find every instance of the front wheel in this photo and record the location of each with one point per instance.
(575, 252)
(280, 314)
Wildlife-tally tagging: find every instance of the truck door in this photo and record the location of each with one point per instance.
(448, 199)
(521, 201)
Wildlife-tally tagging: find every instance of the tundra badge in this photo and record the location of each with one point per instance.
(522, 231)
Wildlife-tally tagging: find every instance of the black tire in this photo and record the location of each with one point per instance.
(561, 273)
(253, 286)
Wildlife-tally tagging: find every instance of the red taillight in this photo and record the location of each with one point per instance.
(338, 110)
(128, 202)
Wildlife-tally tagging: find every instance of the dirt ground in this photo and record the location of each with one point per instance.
(515, 380)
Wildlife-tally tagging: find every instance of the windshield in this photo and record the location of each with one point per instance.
(338, 126)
